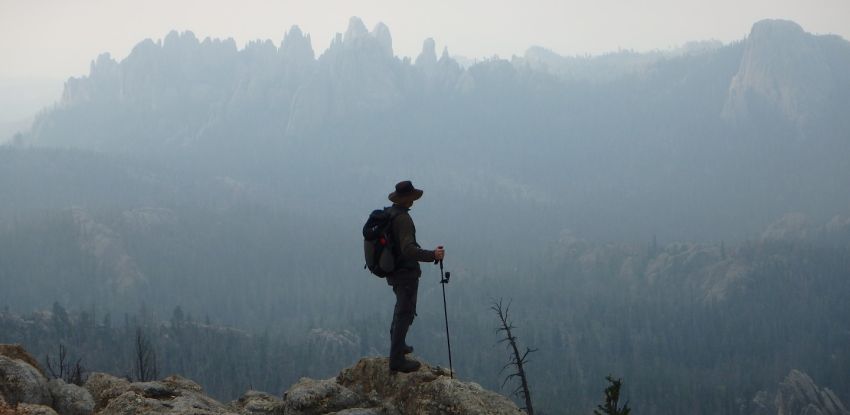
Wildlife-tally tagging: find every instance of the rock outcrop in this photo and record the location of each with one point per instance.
(430, 390)
(172, 395)
(367, 388)
(256, 402)
(104, 387)
(16, 351)
(22, 383)
(70, 399)
(785, 71)
(798, 394)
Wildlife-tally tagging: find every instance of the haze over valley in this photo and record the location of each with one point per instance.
(679, 217)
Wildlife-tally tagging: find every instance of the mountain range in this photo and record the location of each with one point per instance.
(709, 142)
(650, 213)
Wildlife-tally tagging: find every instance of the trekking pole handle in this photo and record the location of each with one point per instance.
(439, 261)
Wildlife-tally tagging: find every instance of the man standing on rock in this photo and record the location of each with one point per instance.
(405, 278)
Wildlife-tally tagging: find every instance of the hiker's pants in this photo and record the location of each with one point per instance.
(403, 315)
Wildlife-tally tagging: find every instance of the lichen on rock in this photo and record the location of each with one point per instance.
(70, 399)
(22, 383)
(367, 388)
(375, 389)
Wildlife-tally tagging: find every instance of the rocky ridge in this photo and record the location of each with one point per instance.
(798, 394)
(206, 91)
(787, 71)
(367, 388)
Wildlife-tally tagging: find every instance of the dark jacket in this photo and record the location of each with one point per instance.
(406, 250)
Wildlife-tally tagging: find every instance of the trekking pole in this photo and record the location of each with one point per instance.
(444, 279)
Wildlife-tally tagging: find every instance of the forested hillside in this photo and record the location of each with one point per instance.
(675, 218)
(693, 327)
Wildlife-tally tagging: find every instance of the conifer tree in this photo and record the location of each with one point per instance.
(611, 406)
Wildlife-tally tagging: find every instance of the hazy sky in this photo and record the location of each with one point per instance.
(58, 38)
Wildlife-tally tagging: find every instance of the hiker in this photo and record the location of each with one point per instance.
(405, 278)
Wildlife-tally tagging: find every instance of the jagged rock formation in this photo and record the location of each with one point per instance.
(203, 91)
(798, 395)
(367, 388)
(786, 71)
(184, 92)
(267, 111)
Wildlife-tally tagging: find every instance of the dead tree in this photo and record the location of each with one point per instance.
(145, 358)
(517, 360)
(62, 368)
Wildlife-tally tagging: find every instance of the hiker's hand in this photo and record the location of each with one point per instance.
(439, 253)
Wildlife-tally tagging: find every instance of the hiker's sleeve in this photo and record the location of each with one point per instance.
(407, 241)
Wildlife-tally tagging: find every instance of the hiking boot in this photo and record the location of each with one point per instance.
(405, 366)
(407, 349)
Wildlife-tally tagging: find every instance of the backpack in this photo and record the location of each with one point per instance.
(378, 242)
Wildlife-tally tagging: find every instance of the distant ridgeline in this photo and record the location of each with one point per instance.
(709, 140)
(197, 177)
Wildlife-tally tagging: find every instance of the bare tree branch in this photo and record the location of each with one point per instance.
(63, 369)
(515, 359)
(145, 358)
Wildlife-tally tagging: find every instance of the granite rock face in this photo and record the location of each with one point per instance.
(256, 402)
(16, 351)
(70, 399)
(798, 394)
(172, 395)
(104, 387)
(785, 71)
(369, 387)
(309, 397)
(22, 383)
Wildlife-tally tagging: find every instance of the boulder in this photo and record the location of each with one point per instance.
(104, 387)
(256, 402)
(132, 403)
(310, 396)
(70, 399)
(22, 383)
(173, 395)
(179, 382)
(369, 387)
(16, 351)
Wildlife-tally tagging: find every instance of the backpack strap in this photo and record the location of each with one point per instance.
(393, 212)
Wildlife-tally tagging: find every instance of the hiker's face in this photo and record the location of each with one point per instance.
(409, 204)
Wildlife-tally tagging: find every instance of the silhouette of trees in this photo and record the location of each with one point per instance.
(145, 358)
(611, 406)
(63, 368)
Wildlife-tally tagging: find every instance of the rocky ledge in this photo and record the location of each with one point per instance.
(367, 388)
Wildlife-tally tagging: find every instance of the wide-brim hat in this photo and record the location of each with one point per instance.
(405, 192)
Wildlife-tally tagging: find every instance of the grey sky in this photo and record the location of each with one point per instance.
(58, 38)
